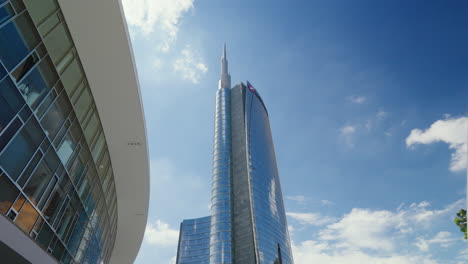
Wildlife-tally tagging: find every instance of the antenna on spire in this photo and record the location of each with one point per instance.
(225, 81)
(224, 51)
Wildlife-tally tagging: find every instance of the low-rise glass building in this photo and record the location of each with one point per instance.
(73, 158)
(194, 241)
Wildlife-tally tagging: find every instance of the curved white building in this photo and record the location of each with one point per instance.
(74, 174)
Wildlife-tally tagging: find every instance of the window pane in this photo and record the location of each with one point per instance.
(51, 160)
(18, 37)
(65, 62)
(91, 202)
(48, 100)
(53, 206)
(46, 193)
(98, 147)
(26, 218)
(76, 235)
(10, 102)
(8, 194)
(75, 130)
(58, 250)
(19, 203)
(28, 171)
(39, 10)
(74, 98)
(65, 221)
(9, 133)
(45, 236)
(102, 167)
(2, 72)
(83, 105)
(24, 67)
(58, 43)
(17, 5)
(65, 150)
(25, 113)
(36, 84)
(38, 182)
(91, 127)
(48, 25)
(6, 12)
(71, 76)
(55, 116)
(76, 170)
(22, 147)
(105, 184)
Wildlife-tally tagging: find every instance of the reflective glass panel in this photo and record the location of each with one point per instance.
(71, 76)
(55, 116)
(27, 217)
(38, 182)
(37, 83)
(58, 43)
(39, 10)
(10, 102)
(8, 194)
(17, 38)
(54, 204)
(21, 148)
(6, 12)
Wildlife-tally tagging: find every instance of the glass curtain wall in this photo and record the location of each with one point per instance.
(194, 241)
(56, 178)
(272, 237)
(220, 244)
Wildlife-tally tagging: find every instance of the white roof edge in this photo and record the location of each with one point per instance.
(100, 34)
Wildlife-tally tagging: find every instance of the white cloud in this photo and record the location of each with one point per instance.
(356, 99)
(347, 134)
(147, 16)
(301, 199)
(348, 130)
(381, 115)
(376, 229)
(173, 260)
(463, 254)
(362, 229)
(365, 236)
(312, 251)
(326, 202)
(442, 239)
(452, 131)
(158, 63)
(297, 198)
(190, 65)
(310, 218)
(161, 234)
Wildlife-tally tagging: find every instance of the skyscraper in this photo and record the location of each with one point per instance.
(74, 170)
(248, 220)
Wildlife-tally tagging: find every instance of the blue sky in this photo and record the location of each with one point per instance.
(368, 106)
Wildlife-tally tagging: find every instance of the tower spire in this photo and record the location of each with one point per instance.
(224, 51)
(225, 81)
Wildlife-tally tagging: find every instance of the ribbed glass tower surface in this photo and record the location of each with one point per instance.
(221, 213)
(220, 244)
(56, 178)
(248, 220)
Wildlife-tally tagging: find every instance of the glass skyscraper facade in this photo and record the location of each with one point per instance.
(194, 241)
(56, 176)
(248, 219)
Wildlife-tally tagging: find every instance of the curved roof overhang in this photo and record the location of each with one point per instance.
(100, 34)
